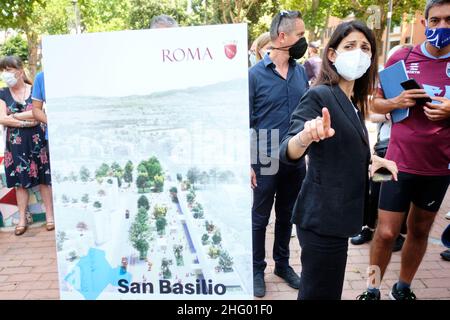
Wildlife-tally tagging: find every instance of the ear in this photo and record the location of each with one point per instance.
(423, 22)
(331, 55)
(282, 37)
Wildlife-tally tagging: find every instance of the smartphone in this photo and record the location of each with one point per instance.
(382, 175)
(412, 84)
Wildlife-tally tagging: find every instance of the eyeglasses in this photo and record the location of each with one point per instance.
(288, 13)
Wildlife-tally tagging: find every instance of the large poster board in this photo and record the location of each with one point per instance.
(149, 150)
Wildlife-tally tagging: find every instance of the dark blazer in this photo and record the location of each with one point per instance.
(331, 200)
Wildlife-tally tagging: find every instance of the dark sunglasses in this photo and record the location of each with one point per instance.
(288, 13)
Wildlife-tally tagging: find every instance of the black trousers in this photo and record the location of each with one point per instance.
(281, 188)
(323, 261)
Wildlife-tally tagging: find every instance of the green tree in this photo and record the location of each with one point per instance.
(216, 238)
(85, 198)
(197, 210)
(225, 262)
(65, 198)
(60, 238)
(15, 46)
(209, 226)
(190, 197)
(158, 183)
(142, 181)
(142, 11)
(173, 190)
(34, 18)
(97, 204)
(165, 263)
(139, 233)
(161, 223)
(104, 15)
(84, 174)
(174, 194)
(128, 172)
(143, 202)
(153, 167)
(213, 252)
(117, 170)
(179, 177)
(365, 9)
(316, 13)
(73, 176)
(159, 211)
(193, 175)
(102, 171)
(178, 253)
(205, 239)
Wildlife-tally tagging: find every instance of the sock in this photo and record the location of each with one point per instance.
(403, 285)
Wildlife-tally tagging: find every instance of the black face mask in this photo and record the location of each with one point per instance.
(298, 49)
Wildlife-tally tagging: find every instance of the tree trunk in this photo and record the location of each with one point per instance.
(32, 39)
(379, 36)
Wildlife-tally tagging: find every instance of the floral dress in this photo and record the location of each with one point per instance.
(26, 150)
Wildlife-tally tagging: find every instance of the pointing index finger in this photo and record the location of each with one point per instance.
(326, 119)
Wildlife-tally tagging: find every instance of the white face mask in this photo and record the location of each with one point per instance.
(9, 78)
(352, 65)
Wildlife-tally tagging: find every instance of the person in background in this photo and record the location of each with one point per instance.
(26, 152)
(384, 124)
(420, 146)
(263, 45)
(252, 53)
(276, 84)
(312, 64)
(38, 100)
(163, 21)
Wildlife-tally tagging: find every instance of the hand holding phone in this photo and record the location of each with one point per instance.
(411, 84)
(382, 175)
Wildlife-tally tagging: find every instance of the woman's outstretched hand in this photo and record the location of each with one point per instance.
(317, 129)
(378, 162)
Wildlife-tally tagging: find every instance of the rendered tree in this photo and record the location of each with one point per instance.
(158, 181)
(128, 172)
(161, 223)
(165, 263)
(197, 211)
(85, 198)
(84, 174)
(159, 211)
(143, 202)
(177, 251)
(102, 171)
(97, 204)
(139, 233)
(216, 238)
(225, 262)
(205, 239)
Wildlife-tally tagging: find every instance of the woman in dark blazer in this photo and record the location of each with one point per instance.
(328, 125)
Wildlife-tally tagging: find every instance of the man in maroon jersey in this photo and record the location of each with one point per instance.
(420, 145)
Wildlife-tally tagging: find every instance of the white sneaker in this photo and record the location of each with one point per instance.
(447, 216)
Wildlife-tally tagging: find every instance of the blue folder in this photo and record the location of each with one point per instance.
(390, 79)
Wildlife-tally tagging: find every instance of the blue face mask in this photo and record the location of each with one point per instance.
(439, 37)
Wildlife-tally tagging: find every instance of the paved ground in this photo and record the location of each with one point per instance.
(432, 280)
(28, 266)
